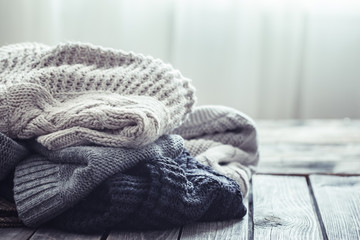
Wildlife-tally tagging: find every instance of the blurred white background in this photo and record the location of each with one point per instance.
(271, 59)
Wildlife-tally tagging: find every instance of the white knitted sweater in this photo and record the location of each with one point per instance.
(75, 94)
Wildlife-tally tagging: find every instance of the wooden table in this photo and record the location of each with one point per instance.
(307, 187)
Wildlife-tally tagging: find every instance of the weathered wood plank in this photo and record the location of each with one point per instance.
(311, 146)
(16, 233)
(283, 209)
(309, 131)
(309, 152)
(234, 229)
(338, 199)
(172, 234)
(291, 163)
(48, 233)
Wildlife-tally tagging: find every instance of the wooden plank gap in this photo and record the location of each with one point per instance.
(22, 233)
(338, 200)
(105, 235)
(35, 230)
(180, 232)
(283, 209)
(250, 213)
(316, 209)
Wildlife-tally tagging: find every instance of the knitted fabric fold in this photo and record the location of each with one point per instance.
(222, 124)
(157, 193)
(223, 138)
(223, 158)
(11, 153)
(49, 182)
(76, 94)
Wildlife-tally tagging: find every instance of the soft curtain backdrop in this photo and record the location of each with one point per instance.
(270, 58)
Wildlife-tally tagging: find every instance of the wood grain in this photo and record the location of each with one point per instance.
(47, 233)
(283, 209)
(16, 233)
(234, 229)
(309, 152)
(312, 146)
(338, 199)
(310, 131)
(159, 235)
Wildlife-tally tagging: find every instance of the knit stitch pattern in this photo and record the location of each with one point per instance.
(8, 214)
(49, 182)
(157, 193)
(11, 153)
(224, 139)
(224, 125)
(77, 93)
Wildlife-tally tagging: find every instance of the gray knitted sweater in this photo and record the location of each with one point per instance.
(49, 182)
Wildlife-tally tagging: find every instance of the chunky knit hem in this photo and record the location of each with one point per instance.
(38, 191)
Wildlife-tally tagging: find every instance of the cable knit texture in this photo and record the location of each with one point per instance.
(158, 193)
(11, 153)
(49, 182)
(76, 94)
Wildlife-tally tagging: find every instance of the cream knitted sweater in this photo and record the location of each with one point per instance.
(75, 94)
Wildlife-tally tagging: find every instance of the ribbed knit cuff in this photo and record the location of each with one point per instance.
(37, 191)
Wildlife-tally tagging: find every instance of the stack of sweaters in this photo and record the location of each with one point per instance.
(93, 139)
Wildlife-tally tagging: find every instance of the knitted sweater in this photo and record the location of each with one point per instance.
(49, 182)
(157, 193)
(224, 125)
(76, 94)
(11, 153)
(223, 138)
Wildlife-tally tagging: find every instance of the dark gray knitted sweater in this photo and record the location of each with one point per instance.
(157, 193)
